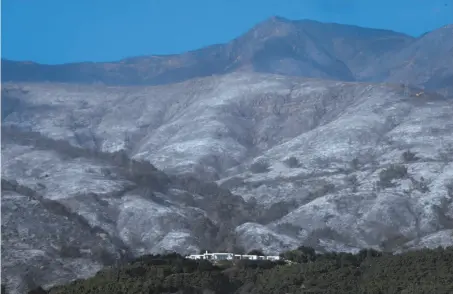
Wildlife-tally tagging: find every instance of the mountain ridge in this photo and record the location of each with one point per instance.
(297, 48)
(213, 148)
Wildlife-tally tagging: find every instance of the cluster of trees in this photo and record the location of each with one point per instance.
(368, 271)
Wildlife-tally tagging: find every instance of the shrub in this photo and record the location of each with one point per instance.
(69, 251)
(353, 182)
(321, 191)
(309, 251)
(354, 164)
(421, 186)
(409, 156)
(393, 172)
(298, 256)
(368, 253)
(259, 167)
(292, 162)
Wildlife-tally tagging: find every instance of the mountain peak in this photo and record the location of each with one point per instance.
(278, 45)
(271, 27)
(276, 18)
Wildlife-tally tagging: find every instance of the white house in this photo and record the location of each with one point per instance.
(230, 256)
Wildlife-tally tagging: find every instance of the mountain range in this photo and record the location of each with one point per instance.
(297, 132)
(297, 48)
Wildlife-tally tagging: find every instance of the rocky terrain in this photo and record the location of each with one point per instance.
(93, 174)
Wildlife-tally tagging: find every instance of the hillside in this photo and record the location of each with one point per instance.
(66, 211)
(334, 165)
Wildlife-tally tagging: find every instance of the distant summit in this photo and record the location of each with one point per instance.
(276, 18)
(277, 45)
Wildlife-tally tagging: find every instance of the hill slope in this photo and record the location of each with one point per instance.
(66, 211)
(315, 162)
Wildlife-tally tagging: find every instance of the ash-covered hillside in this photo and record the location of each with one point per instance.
(67, 211)
(277, 45)
(334, 165)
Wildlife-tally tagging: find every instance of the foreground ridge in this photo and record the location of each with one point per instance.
(368, 271)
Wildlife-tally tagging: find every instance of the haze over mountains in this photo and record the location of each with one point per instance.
(304, 126)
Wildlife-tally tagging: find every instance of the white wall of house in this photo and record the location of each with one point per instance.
(230, 256)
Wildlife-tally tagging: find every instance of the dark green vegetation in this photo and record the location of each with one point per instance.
(369, 271)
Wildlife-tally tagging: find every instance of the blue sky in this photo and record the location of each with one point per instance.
(59, 31)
